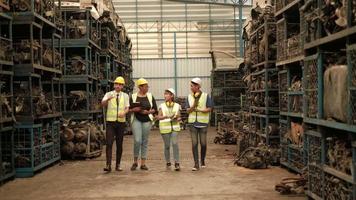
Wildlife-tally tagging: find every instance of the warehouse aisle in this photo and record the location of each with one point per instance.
(85, 179)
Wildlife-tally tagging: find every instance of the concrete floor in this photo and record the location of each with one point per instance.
(85, 179)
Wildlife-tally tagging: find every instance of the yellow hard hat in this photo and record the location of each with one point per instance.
(120, 80)
(141, 81)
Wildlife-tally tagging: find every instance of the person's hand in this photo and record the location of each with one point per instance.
(145, 112)
(191, 109)
(121, 114)
(152, 111)
(136, 109)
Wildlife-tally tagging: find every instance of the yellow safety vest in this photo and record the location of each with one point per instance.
(167, 125)
(199, 116)
(113, 110)
(150, 97)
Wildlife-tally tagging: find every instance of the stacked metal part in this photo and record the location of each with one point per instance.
(262, 76)
(227, 85)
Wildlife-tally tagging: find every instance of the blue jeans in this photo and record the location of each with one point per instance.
(198, 134)
(167, 139)
(140, 131)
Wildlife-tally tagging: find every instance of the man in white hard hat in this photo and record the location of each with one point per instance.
(117, 105)
(199, 107)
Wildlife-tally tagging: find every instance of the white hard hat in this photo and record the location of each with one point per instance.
(196, 80)
(171, 90)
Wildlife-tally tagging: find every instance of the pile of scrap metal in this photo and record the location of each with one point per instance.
(78, 138)
(22, 52)
(297, 100)
(77, 66)
(259, 157)
(40, 6)
(336, 188)
(76, 29)
(77, 100)
(5, 50)
(51, 57)
(261, 15)
(339, 155)
(292, 186)
(333, 18)
(41, 101)
(226, 133)
(6, 108)
(182, 101)
(5, 167)
(226, 137)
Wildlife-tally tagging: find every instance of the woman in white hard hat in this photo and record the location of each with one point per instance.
(117, 105)
(169, 126)
(143, 107)
(199, 106)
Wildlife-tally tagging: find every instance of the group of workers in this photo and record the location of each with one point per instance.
(144, 111)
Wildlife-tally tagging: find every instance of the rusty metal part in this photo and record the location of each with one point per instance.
(294, 185)
(22, 52)
(258, 157)
(77, 66)
(339, 155)
(6, 107)
(5, 50)
(336, 188)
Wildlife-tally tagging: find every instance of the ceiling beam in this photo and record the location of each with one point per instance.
(246, 3)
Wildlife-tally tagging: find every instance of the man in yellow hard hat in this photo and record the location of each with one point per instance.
(141, 121)
(117, 105)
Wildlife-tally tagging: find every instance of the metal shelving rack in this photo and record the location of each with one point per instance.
(290, 64)
(263, 90)
(226, 89)
(81, 49)
(325, 47)
(37, 70)
(7, 168)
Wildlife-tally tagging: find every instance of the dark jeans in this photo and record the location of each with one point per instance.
(198, 133)
(114, 131)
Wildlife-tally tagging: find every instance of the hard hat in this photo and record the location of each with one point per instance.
(141, 81)
(171, 90)
(196, 80)
(120, 80)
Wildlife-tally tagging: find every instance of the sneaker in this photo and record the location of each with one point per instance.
(177, 167)
(107, 168)
(195, 168)
(168, 165)
(203, 164)
(134, 166)
(118, 168)
(144, 167)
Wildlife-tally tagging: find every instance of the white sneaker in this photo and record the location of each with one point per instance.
(195, 168)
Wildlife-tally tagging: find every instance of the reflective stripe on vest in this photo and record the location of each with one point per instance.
(167, 125)
(150, 97)
(199, 116)
(112, 110)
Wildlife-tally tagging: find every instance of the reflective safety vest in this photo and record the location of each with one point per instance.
(199, 116)
(113, 110)
(167, 125)
(150, 97)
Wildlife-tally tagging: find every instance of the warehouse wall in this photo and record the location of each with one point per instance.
(161, 74)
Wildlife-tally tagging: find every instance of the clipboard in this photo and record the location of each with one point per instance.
(135, 105)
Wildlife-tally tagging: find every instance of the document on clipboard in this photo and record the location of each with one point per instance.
(135, 105)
